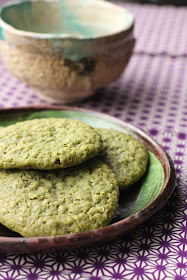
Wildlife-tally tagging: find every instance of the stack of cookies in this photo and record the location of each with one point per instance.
(61, 176)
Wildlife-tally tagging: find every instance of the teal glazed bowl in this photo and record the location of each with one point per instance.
(66, 49)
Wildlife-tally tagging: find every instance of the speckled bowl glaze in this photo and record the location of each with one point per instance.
(66, 49)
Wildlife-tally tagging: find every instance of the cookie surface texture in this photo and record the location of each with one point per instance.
(47, 144)
(72, 200)
(126, 156)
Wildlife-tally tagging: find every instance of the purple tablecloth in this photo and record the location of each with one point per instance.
(151, 94)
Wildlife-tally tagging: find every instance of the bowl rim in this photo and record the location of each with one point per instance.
(35, 35)
(112, 231)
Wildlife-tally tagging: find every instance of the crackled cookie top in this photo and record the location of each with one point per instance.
(47, 144)
(126, 156)
(63, 201)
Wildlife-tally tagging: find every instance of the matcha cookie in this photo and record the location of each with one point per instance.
(63, 201)
(47, 144)
(126, 156)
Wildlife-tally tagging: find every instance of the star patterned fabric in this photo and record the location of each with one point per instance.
(151, 94)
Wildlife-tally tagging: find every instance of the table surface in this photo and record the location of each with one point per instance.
(151, 94)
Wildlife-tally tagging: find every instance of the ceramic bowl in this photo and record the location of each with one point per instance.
(136, 204)
(66, 49)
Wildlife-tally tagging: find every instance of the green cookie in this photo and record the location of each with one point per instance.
(64, 201)
(126, 156)
(47, 144)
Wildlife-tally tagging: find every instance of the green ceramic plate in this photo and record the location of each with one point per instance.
(136, 204)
